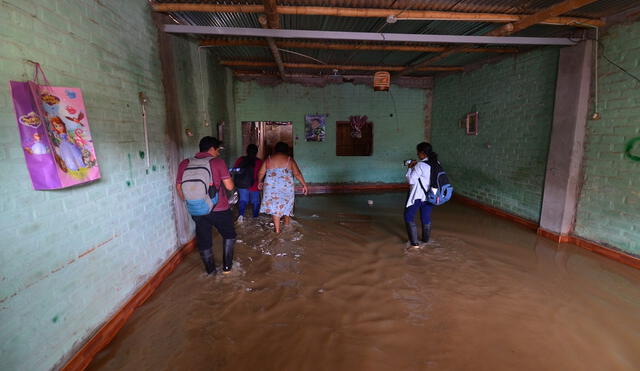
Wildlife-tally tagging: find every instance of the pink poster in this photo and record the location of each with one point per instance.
(55, 135)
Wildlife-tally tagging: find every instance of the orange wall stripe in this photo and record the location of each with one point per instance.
(108, 331)
(578, 241)
(490, 209)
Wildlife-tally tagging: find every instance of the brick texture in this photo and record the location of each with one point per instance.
(504, 165)
(609, 206)
(397, 116)
(70, 258)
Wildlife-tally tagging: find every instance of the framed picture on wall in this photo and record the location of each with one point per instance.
(472, 123)
(314, 127)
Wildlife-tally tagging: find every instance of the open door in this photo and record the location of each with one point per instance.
(265, 134)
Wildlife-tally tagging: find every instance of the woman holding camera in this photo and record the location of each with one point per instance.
(419, 179)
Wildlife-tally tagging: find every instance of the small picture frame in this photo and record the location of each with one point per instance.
(472, 123)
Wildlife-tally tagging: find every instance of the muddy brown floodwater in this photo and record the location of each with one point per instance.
(338, 290)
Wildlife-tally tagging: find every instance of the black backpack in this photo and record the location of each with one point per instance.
(243, 178)
(440, 181)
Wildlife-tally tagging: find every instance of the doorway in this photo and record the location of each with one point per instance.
(265, 134)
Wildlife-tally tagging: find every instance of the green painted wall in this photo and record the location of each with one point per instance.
(201, 92)
(504, 165)
(609, 206)
(395, 137)
(71, 258)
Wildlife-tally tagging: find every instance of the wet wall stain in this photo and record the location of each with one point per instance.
(130, 182)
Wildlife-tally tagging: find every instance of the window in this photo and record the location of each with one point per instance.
(348, 145)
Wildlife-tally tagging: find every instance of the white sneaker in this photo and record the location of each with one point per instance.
(240, 219)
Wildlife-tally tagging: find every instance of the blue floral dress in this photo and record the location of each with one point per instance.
(279, 194)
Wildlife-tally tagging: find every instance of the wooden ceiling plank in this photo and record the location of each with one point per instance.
(374, 13)
(510, 28)
(341, 46)
(528, 21)
(243, 63)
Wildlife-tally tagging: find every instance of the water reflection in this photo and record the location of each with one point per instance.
(339, 290)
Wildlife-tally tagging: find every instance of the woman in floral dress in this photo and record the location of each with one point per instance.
(276, 180)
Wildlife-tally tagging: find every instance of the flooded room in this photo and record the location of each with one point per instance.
(320, 185)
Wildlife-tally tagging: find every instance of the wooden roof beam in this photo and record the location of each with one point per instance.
(342, 46)
(374, 13)
(510, 28)
(242, 63)
(528, 21)
(271, 10)
(272, 21)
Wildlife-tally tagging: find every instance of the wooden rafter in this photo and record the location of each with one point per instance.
(528, 21)
(341, 46)
(510, 28)
(272, 20)
(374, 13)
(271, 10)
(242, 63)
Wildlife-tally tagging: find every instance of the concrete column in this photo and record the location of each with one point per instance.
(566, 147)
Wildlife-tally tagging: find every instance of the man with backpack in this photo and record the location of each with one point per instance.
(246, 180)
(199, 183)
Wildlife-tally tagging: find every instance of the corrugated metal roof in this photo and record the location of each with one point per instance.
(598, 9)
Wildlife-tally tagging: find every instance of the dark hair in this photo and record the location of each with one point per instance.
(282, 147)
(250, 158)
(252, 150)
(426, 148)
(207, 143)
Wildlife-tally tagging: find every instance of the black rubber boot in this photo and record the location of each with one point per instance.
(227, 254)
(426, 232)
(207, 259)
(412, 232)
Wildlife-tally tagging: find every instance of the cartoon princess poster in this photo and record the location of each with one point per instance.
(54, 135)
(69, 132)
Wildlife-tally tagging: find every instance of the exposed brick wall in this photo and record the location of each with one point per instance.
(397, 128)
(609, 206)
(72, 257)
(504, 165)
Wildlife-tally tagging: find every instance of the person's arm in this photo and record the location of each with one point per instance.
(222, 170)
(413, 173)
(228, 184)
(298, 174)
(261, 173)
(183, 165)
(179, 191)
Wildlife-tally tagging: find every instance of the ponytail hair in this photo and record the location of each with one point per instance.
(426, 148)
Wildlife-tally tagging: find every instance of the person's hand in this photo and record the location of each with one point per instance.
(412, 164)
(305, 190)
(260, 185)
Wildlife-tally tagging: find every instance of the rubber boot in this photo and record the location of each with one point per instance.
(227, 254)
(207, 259)
(426, 232)
(412, 232)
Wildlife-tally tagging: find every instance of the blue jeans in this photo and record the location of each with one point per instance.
(425, 212)
(245, 197)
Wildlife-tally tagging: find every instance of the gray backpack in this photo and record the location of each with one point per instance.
(200, 195)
